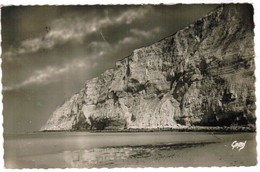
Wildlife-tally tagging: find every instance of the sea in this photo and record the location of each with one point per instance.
(129, 149)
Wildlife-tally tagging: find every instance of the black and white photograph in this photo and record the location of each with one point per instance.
(108, 86)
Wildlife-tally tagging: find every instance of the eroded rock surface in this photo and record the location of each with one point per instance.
(203, 75)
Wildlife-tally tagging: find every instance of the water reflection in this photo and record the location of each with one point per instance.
(109, 155)
(92, 157)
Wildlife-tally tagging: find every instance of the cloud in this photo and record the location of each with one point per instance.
(130, 15)
(137, 35)
(96, 49)
(99, 49)
(75, 29)
(145, 33)
(49, 74)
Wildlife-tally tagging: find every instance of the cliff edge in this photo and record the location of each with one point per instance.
(203, 75)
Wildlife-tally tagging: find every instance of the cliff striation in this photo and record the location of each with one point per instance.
(203, 75)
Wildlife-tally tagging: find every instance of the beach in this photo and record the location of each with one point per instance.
(142, 149)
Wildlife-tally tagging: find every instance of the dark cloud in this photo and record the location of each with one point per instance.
(50, 51)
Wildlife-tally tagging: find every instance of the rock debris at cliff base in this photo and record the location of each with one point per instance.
(203, 75)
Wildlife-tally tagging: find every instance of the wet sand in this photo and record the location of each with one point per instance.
(159, 149)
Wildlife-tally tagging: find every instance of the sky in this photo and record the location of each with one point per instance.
(49, 52)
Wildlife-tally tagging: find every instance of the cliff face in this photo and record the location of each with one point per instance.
(203, 75)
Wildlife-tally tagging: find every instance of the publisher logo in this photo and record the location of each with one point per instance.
(238, 145)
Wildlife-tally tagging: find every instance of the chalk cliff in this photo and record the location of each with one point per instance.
(203, 75)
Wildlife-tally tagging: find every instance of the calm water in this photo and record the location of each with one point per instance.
(154, 149)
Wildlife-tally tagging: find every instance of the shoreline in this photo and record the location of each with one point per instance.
(233, 129)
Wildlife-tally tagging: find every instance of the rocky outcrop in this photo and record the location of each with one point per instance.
(203, 75)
